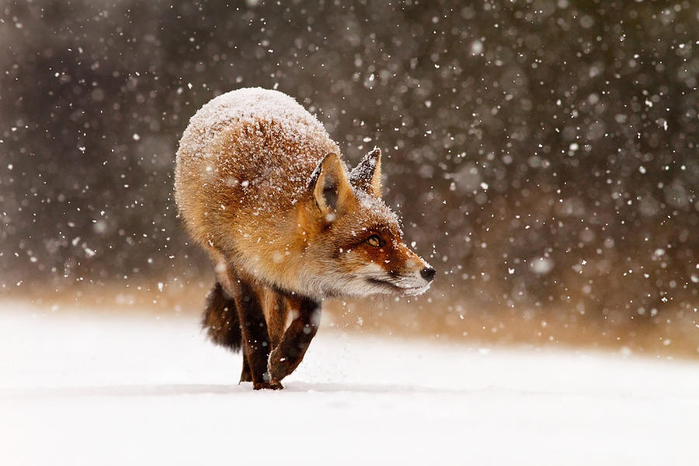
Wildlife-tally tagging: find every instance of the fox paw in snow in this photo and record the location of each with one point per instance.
(272, 385)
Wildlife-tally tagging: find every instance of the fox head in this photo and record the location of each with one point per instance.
(353, 241)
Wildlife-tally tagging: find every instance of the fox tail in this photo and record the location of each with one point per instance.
(220, 319)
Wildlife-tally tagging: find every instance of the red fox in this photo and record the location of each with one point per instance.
(261, 187)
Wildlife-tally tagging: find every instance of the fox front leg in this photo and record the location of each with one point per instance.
(255, 338)
(293, 345)
(246, 373)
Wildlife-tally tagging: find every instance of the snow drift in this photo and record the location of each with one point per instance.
(79, 388)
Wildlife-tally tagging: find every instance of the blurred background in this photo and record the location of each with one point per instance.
(543, 154)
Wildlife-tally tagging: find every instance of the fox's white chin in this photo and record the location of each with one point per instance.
(367, 285)
(399, 287)
(416, 291)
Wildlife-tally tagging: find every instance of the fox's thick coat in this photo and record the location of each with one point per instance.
(261, 187)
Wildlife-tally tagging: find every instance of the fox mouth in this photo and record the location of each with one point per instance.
(394, 288)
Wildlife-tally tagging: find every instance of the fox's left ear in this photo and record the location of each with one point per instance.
(366, 176)
(331, 190)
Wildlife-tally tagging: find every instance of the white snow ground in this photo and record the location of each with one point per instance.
(99, 389)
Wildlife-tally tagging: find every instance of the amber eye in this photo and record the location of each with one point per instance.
(374, 240)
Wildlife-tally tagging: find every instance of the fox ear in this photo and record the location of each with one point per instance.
(366, 176)
(330, 188)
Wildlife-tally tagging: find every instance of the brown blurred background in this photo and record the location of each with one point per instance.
(543, 154)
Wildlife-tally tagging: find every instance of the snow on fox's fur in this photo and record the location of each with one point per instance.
(261, 186)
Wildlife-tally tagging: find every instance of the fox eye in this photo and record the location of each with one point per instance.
(374, 241)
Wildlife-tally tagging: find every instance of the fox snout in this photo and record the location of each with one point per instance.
(401, 272)
(417, 275)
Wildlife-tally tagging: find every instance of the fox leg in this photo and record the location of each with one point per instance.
(245, 374)
(276, 311)
(254, 329)
(275, 308)
(292, 347)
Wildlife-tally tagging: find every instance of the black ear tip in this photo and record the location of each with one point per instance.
(313, 179)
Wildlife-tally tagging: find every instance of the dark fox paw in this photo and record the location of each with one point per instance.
(279, 366)
(272, 385)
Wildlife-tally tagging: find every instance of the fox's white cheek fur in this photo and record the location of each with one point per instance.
(357, 286)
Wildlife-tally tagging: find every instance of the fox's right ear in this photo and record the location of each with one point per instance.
(366, 176)
(330, 188)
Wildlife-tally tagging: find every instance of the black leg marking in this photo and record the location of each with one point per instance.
(254, 329)
(288, 355)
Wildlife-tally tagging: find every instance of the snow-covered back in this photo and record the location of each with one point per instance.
(256, 106)
(259, 139)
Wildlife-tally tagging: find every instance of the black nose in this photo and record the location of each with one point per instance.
(428, 273)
